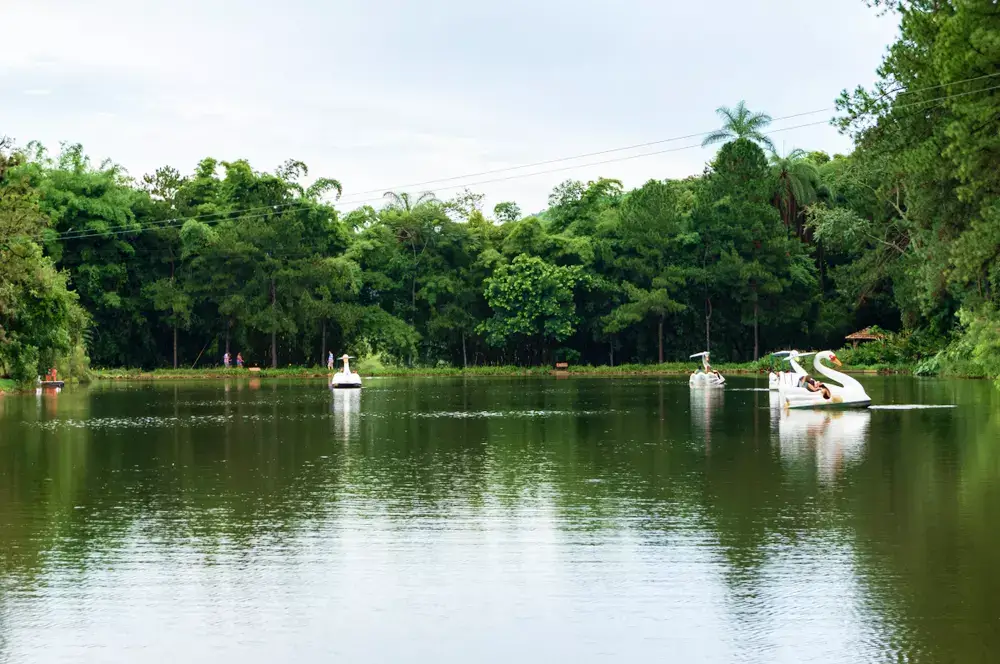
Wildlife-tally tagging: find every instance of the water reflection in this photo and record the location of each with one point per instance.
(497, 521)
(835, 438)
(345, 407)
(705, 406)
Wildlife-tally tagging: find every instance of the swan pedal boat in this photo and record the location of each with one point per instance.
(788, 378)
(849, 394)
(705, 377)
(345, 378)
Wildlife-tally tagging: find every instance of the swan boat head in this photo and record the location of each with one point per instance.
(829, 356)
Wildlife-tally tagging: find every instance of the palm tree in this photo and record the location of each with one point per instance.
(796, 180)
(403, 201)
(740, 122)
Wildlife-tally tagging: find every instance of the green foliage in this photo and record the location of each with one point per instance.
(41, 322)
(796, 185)
(531, 300)
(741, 122)
(976, 351)
(371, 365)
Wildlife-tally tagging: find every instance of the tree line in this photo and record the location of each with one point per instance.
(761, 251)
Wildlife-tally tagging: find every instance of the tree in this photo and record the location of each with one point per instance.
(506, 212)
(796, 180)
(532, 300)
(642, 303)
(647, 250)
(740, 122)
(748, 265)
(41, 322)
(463, 205)
(332, 285)
(405, 202)
(92, 215)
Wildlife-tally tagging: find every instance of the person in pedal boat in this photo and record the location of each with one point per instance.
(814, 385)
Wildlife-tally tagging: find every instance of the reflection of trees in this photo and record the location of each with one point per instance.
(924, 506)
(599, 456)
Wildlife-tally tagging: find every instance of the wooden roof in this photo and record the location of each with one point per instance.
(866, 334)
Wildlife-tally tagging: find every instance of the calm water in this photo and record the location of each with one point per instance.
(507, 520)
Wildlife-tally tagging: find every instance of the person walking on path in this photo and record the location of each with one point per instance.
(225, 360)
(239, 360)
(329, 361)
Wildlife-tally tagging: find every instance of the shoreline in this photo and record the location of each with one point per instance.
(604, 371)
(625, 370)
(667, 369)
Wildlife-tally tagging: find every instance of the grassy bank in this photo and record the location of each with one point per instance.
(666, 369)
(6, 385)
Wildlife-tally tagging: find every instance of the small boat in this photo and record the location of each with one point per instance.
(706, 376)
(346, 379)
(808, 393)
(50, 384)
(776, 379)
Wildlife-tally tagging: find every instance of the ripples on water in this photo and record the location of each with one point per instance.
(497, 521)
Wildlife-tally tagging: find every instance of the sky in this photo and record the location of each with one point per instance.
(386, 94)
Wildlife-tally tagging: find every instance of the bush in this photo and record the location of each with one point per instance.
(23, 363)
(930, 366)
(568, 355)
(976, 353)
(371, 365)
(897, 348)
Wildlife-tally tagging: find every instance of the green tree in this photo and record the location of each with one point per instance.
(647, 257)
(506, 212)
(41, 322)
(740, 122)
(405, 201)
(532, 301)
(92, 214)
(797, 181)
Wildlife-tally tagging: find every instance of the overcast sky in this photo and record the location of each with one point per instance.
(384, 93)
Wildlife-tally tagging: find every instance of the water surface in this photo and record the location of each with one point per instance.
(498, 520)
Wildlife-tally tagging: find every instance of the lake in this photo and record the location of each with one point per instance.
(498, 520)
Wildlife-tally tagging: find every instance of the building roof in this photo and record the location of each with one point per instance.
(867, 334)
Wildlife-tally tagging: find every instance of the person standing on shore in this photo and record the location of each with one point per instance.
(329, 361)
(239, 360)
(225, 360)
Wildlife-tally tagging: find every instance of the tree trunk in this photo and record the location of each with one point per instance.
(229, 325)
(465, 360)
(659, 336)
(274, 331)
(175, 313)
(708, 323)
(756, 348)
(821, 261)
(611, 352)
(788, 215)
(322, 348)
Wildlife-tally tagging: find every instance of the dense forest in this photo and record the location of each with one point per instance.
(761, 251)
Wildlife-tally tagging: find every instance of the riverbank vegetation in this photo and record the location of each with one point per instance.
(378, 369)
(764, 250)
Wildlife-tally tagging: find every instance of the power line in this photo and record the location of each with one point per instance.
(636, 146)
(70, 234)
(181, 221)
(687, 147)
(170, 223)
(562, 159)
